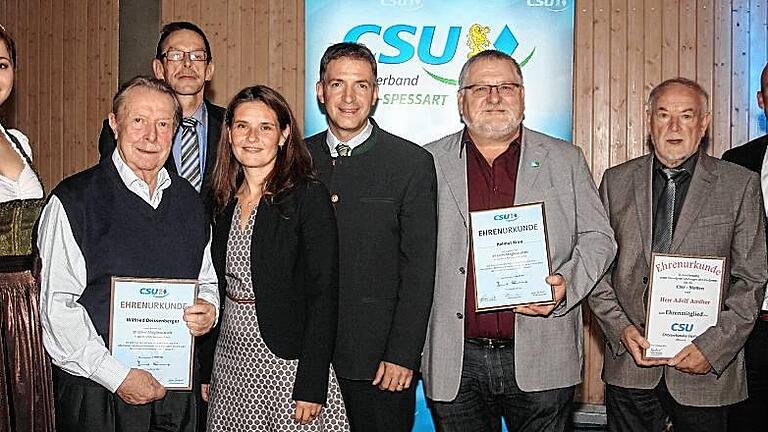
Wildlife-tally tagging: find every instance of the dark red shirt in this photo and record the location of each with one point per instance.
(489, 187)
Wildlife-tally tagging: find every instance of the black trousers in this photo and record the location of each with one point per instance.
(641, 410)
(84, 406)
(372, 410)
(752, 414)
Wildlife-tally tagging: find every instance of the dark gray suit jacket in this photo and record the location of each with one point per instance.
(722, 216)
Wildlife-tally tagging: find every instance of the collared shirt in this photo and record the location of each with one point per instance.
(358, 139)
(201, 115)
(68, 332)
(681, 186)
(27, 185)
(489, 187)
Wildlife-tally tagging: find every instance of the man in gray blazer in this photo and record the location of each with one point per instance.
(520, 364)
(710, 208)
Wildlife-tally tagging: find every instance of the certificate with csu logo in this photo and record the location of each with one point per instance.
(683, 301)
(510, 257)
(147, 330)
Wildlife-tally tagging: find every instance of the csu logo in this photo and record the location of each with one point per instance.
(681, 327)
(553, 5)
(154, 292)
(408, 40)
(509, 217)
(406, 5)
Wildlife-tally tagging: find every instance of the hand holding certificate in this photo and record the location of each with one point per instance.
(147, 329)
(511, 257)
(683, 302)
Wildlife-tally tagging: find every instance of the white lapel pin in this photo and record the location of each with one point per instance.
(535, 164)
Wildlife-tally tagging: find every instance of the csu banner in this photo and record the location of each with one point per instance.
(420, 46)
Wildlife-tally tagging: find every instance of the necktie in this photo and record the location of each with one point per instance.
(343, 149)
(665, 210)
(190, 153)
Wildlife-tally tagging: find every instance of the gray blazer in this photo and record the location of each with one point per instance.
(722, 216)
(548, 351)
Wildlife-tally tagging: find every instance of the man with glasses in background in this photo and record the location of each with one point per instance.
(183, 60)
(521, 364)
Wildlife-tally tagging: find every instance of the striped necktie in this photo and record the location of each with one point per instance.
(665, 212)
(190, 153)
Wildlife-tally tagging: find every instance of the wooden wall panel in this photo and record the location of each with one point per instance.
(65, 79)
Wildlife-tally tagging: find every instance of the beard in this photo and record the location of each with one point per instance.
(498, 128)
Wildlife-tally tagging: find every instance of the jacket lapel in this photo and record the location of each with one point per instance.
(532, 159)
(701, 183)
(642, 181)
(452, 160)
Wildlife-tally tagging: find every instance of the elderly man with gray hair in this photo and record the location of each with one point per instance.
(127, 216)
(678, 200)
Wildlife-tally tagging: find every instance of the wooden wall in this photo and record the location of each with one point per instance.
(68, 68)
(65, 79)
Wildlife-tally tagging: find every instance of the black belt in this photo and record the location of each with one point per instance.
(16, 263)
(491, 343)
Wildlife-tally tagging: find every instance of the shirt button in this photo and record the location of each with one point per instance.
(459, 315)
(645, 280)
(462, 270)
(334, 198)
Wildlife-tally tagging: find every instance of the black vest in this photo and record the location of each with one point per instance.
(119, 234)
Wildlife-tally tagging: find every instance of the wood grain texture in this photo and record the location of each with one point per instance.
(65, 79)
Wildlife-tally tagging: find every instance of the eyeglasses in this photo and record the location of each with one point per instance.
(178, 55)
(483, 90)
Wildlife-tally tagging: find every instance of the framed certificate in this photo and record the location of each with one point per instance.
(683, 301)
(147, 330)
(510, 257)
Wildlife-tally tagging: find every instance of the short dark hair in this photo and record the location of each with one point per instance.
(292, 166)
(10, 45)
(351, 50)
(175, 26)
(685, 82)
(150, 83)
(487, 55)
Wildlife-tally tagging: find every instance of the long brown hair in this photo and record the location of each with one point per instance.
(292, 166)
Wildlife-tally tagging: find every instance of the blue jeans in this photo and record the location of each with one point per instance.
(488, 392)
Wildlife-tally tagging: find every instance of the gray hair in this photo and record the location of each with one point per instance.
(149, 83)
(487, 55)
(685, 82)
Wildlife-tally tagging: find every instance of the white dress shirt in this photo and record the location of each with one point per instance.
(764, 186)
(68, 332)
(27, 185)
(358, 139)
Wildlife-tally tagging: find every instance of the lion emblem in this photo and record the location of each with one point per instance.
(477, 39)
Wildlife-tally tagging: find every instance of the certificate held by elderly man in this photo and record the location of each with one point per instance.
(510, 257)
(147, 329)
(683, 301)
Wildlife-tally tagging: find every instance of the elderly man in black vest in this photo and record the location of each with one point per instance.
(127, 216)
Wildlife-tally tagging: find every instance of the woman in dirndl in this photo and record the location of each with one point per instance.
(26, 396)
